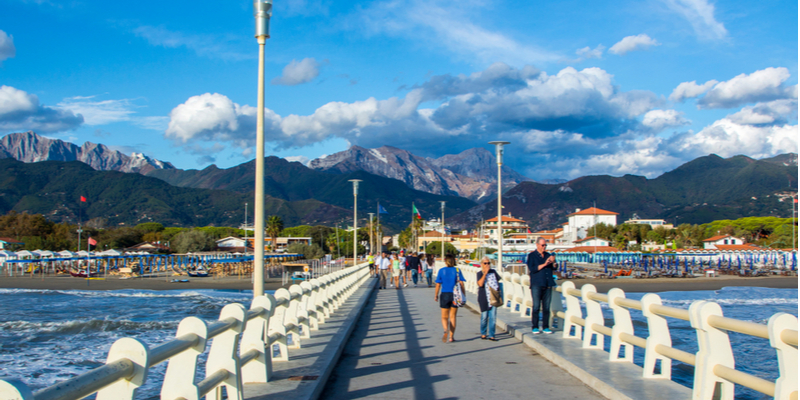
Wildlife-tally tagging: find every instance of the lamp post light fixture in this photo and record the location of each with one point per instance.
(499, 155)
(443, 202)
(262, 10)
(355, 219)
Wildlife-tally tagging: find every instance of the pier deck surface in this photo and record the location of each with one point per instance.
(396, 352)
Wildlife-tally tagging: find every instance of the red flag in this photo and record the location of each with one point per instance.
(83, 199)
(92, 242)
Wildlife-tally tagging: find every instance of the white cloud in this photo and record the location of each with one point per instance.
(727, 138)
(658, 120)
(20, 110)
(632, 43)
(221, 47)
(700, 14)
(449, 25)
(588, 52)
(690, 90)
(152, 123)
(7, 49)
(763, 85)
(301, 159)
(770, 113)
(298, 72)
(98, 112)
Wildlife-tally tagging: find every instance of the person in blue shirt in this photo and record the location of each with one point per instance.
(540, 267)
(446, 280)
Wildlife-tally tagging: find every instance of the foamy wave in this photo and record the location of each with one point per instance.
(211, 294)
(84, 326)
(768, 301)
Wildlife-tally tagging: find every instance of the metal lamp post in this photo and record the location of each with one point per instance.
(371, 249)
(442, 229)
(499, 155)
(355, 219)
(262, 10)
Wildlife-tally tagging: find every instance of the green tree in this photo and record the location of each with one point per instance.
(310, 252)
(273, 229)
(296, 231)
(149, 227)
(435, 248)
(192, 241)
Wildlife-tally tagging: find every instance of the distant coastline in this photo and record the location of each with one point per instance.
(233, 283)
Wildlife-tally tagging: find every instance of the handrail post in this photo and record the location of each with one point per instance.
(276, 328)
(555, 306)
(594, 315)
(298, 305)
(309, 304)
(15, 389)
(714, 348)
(137, 352)
(181, 375)
(254, 337)
(658, 334)
(319, 303)
(787, 355)
(223, 355)
(622, 324)
(573, 309)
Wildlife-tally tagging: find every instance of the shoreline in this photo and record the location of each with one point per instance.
(233, 283)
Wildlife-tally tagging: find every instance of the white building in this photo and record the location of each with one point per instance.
(712, 242)
(581, 220)
(508, 224)
(592, 241)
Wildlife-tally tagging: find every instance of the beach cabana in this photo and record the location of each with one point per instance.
(24, 253)
(83, 253)
(65, 254)
(111, 252)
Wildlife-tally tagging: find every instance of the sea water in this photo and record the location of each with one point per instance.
(47, 336)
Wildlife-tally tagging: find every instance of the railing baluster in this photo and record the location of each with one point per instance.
(657, 334)
(622, 324)
(594, 315)
(254, 338)
(714, 348)
(182, 368)
(223, 355)
(786, 384)
(573, 310)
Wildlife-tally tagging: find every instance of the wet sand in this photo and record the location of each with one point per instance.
(234, 283)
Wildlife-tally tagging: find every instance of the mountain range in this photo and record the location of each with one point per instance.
(702, 190)
(29, 147)
(131, 189)
(471, 173)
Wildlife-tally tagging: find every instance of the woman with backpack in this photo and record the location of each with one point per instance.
(451, 283)
(488, 281)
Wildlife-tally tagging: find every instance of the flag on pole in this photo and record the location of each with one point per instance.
(381, 210)
(92, 241)
(415, 211)
(83, 199)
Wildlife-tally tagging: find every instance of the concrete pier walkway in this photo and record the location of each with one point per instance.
(396, 352)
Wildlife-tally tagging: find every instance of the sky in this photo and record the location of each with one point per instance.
(578, 88)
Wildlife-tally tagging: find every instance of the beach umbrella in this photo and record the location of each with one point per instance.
(7, 254)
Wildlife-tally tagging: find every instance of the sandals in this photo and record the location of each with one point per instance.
(492, 339)
(483, 337)
(444, 337)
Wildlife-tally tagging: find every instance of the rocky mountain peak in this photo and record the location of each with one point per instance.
(29, 147)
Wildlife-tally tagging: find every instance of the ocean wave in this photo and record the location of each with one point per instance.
(139, 293)
(767, 301)
(84, 326)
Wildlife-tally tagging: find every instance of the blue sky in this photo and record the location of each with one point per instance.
(578, 88)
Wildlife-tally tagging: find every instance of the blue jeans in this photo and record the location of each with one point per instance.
(429, 276)
(488, 322)
(541, 299)
(414, 276)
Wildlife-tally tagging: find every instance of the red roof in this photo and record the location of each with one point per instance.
(735, 247)
(10, 241)
(718, 237)
(593, 211)
(592, 249)
(506, 218)
(432, 234)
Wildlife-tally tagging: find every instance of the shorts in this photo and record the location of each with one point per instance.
(372, 266)
(446, 300)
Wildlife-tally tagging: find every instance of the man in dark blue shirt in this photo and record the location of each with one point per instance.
(540, 267)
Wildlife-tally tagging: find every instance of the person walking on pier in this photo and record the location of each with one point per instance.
(412, 262)
(403, 277)
(488, 280)
(396, 270)
(446, 281)
(383, 269)
(540, 267)
(426, 261)
(371, 261)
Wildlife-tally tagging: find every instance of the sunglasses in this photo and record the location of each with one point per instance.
(486, 263)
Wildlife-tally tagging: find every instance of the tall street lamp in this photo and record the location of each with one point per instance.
(499, 155)
(355, 219)
(262, 10)
(442, 229)
(371, 249)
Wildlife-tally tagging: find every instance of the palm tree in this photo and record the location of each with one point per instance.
(274, 228)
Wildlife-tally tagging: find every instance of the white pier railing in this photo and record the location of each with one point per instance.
(714, 374)
(242, 350)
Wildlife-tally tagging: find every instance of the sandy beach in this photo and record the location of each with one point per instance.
(234, 283)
